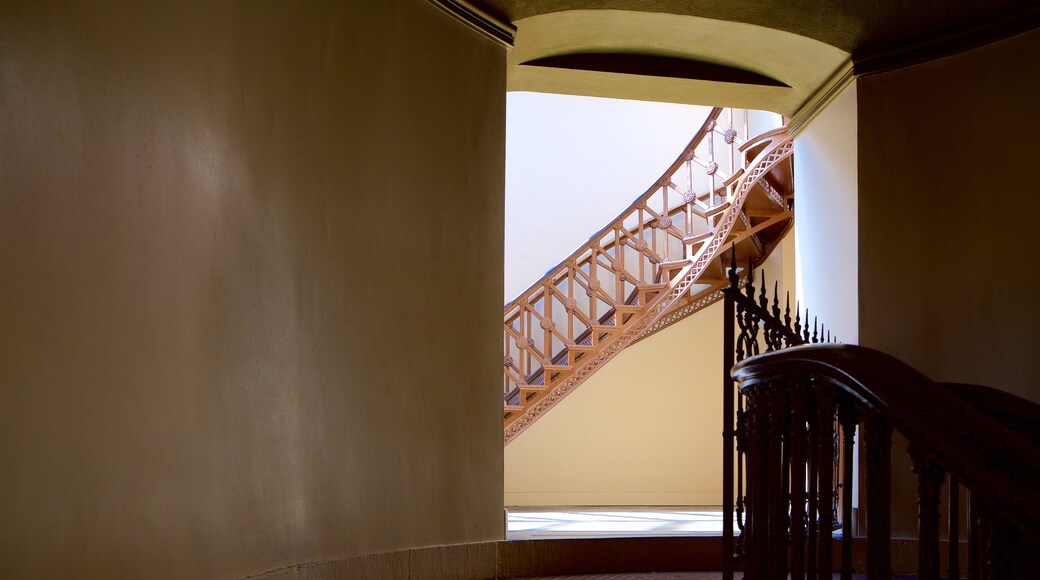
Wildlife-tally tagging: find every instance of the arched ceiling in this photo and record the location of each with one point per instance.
(859, 27)
(703, 51)
(668, 57)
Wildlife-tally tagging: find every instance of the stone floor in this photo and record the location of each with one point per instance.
(613, 522)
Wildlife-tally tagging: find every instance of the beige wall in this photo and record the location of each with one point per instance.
(212, 219)
(948, 208)
(825, 229)
(644, 430)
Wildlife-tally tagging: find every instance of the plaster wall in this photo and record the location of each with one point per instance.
(825, 170)
(947, 212)
(213, 358)
(644, 430)
(947, 209)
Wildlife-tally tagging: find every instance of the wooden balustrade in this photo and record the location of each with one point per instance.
(754, 324)
(658, 261)
(799, 399)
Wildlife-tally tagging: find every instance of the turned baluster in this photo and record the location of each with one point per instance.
(825, 461)
(758, 486)
(847, 417)
(929, 484)
(776, 534)
(799, 409)
(877, 441)
(813, 479)
(954, 569)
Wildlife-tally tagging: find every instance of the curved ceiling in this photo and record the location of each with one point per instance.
(668, 57)
(859, 28)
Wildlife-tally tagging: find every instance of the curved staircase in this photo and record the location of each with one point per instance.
(728, 196)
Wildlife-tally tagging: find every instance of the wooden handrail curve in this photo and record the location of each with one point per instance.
(984, 454)
(652, 257)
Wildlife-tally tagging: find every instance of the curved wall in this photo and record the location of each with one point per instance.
(212, 218)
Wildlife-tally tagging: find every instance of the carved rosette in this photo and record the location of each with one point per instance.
(546, 324)
(530, 343)
(588, 292)
(639, 245)
(570, 303)
(689, 197)
(507, 361)
(520, 343)
(729, 135)
(664, 222)
(623, 277)
(594, 283)
(711, 168)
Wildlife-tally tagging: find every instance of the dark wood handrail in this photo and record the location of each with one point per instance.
(984, 454)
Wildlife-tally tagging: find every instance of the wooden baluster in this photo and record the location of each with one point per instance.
(783, 506)
(799, 409)
(878, 446)
(973, 537)
(755, 516)
(593, 284)
(848, 418)
(776, 533)
(814, 483)
(547, 322)
(954, 533)
(825, 418)
(929, 484)
(741, 461)
(571, 304)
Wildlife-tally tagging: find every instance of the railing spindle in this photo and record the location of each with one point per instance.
(799, 409)
(847, 417)
(929, 484)
(878, 446)
(825, 420)
(954, 536)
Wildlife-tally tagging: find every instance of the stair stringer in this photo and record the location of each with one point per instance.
(779, 148)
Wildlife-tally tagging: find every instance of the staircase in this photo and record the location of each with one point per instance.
(805, 408)
(727, 196)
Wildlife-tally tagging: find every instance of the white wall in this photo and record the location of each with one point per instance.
(826, 224)
(575, 163)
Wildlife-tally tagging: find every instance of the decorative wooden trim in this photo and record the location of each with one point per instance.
(948, 44)
(491, 27)
(767, 151)
(819, 100)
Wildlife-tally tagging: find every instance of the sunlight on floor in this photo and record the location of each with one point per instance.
(613, 522)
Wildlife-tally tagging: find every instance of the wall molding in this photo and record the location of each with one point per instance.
(487, 25)
(819, 100)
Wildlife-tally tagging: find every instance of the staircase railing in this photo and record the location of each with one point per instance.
(754, 323)
(794, 397)
(660, 252)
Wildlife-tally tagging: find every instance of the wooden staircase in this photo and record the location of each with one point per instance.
(728, 195)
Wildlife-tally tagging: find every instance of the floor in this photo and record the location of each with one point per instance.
(673, 576)
(644, 576)
(614, 522)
